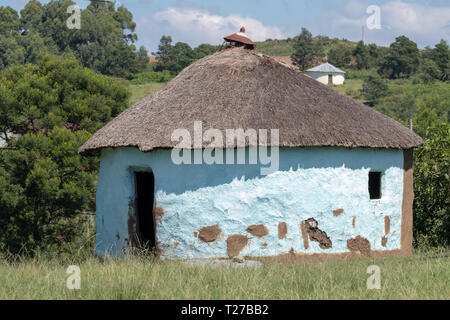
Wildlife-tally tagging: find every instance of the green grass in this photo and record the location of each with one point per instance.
(351, 88)
(422, 276)
(139, 91)
(275, 47)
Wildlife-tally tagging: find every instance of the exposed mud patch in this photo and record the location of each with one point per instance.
(387, 225)
(196, 234)
(209, 234)
(384, 241)
(158, 213)
(235, 244)
(258, 230)
(282, 230)
(265, 244)
(317, 235)
(354, 222)
(359, 244)
(338, 212)
(304, 235)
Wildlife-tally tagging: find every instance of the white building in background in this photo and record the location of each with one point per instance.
(327, 74)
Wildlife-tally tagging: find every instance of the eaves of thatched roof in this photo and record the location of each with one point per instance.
(239, 88)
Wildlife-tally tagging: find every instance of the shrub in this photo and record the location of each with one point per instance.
(432, 188)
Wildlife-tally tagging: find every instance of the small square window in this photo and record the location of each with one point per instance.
(375, 185)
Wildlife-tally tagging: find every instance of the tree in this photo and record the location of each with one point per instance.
(105, 42)
(204, 50)
(175, 58)
(441, 56)
(429, 71)
(31, 15)
(9, 21)
(340, 56)
(402, 60)
(305, 50)
(58, 92)
(46, 188)
(11, 52)
(361, 55)
(374, 87)
(432, 188)
(142, 59)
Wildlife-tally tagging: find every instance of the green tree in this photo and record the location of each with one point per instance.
(402, 60)
(142, 59)
(45, 186)
(441, 56)
(204, 50)
(340, 56)
(31, 15)
(9, 21)
(361, 55)
(11, 52)
(432, 188)
(374, 87)
(104, 43)
(306, 50)
(60, 92)
(429, 71)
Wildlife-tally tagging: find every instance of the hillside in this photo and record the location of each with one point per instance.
(286, 47)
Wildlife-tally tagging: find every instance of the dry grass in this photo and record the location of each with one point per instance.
(422, 276)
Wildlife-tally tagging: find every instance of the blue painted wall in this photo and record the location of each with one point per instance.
(310, 183)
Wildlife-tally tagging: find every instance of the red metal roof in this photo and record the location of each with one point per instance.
(240, 37)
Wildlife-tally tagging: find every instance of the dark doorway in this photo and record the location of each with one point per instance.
(330, 79)
(145, 222)
(375, 185)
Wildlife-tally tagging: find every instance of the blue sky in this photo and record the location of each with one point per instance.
(208, 21)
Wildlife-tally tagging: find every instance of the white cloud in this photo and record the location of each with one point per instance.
(203, 27)
(415, 18)
(425, 24)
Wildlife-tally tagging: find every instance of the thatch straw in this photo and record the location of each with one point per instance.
(240, 88)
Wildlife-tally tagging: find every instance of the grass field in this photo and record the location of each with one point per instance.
(422, 276)
(139, 91)
(351, 88)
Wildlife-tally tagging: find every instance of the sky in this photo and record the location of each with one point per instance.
(207, 21)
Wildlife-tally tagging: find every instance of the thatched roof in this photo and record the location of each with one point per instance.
(239, 88)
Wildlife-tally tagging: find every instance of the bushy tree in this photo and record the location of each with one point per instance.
(432, 188)
(361, 55)
(104, 43)
(45, 186)
(402, 60)
(11, 52)
(175, 58)
(59, 92)
(374, 87)
(441, 56)
(340, 56)
(429, 71)
(306, 50)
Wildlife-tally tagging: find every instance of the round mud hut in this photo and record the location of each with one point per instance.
(242, 155)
